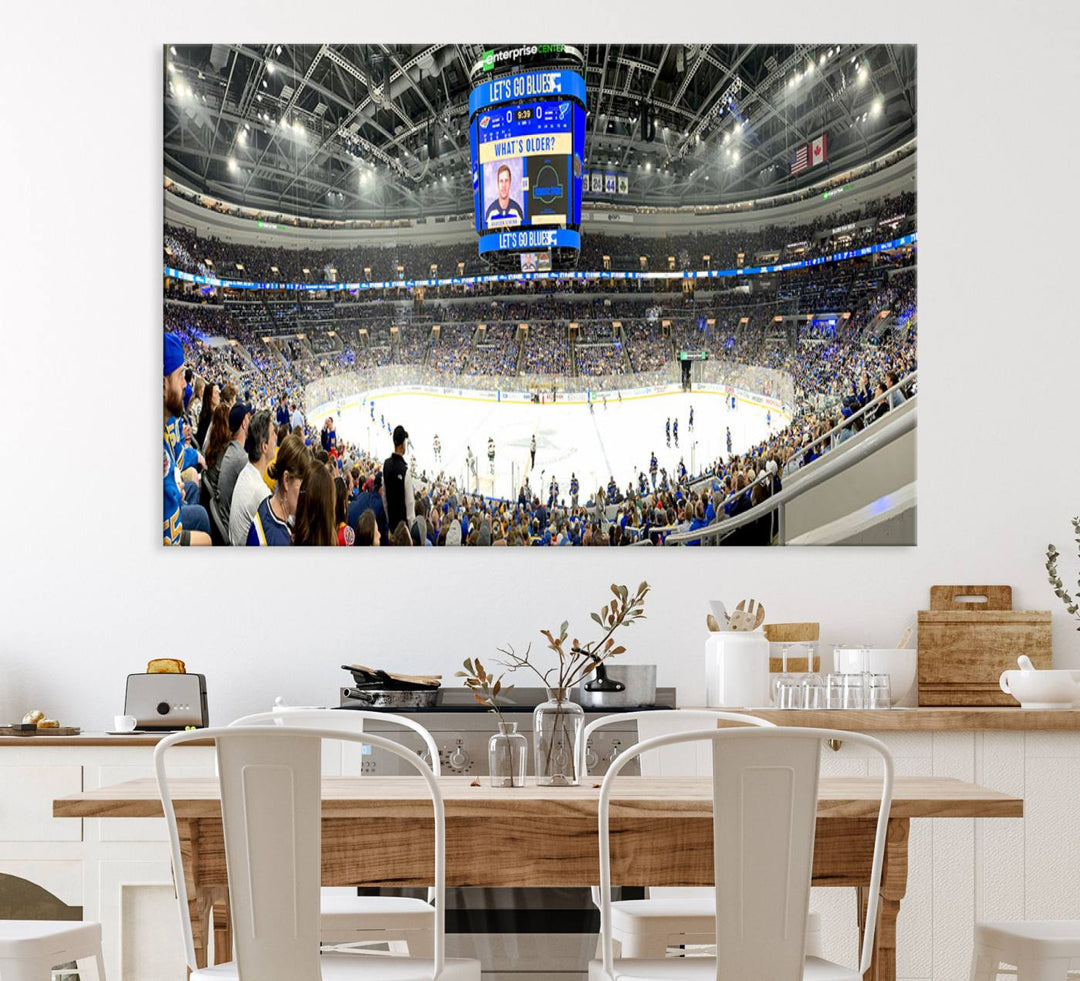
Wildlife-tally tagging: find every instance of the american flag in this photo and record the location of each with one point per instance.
(801, 161)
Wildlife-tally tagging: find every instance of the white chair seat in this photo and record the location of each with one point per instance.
(40, 939)
(704, 969)
(375, 913)
(366, 967)
(1028, 939)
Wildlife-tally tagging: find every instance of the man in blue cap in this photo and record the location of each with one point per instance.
(184, 524)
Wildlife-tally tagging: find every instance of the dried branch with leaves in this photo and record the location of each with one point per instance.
(1072, 603)
(486, 688)
(580, 660)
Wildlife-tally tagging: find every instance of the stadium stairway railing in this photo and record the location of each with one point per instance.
(895, 433)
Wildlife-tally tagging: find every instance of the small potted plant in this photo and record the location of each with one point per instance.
(1072, 603)
(508, 750)
(558, 722)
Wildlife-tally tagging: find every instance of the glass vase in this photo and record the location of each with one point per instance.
(557, 725)
(508, 755)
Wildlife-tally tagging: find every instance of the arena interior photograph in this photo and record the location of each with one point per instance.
(540, 294)
(465, 276)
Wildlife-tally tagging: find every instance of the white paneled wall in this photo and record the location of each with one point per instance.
(963, 869)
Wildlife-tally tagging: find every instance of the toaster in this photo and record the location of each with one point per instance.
(165, 702)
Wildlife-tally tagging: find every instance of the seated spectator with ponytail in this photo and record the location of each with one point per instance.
(272, 522)
(315, 524)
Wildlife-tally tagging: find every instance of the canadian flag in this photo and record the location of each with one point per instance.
(817, 151)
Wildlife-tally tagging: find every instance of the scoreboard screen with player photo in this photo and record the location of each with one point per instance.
(527, 151)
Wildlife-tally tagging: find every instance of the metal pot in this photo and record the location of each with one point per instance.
(619, 686)
(385, 698)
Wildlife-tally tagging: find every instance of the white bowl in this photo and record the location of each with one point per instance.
(1042, 689)
(899, 663)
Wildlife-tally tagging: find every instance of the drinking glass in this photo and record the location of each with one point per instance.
(834, 690)
(853, 691)
(813, 691)
(879, 695)
(785, 676)
(788, 692)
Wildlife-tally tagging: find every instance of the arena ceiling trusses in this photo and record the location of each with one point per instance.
(380, 131)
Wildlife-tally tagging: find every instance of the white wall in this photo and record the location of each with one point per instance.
(88, 595)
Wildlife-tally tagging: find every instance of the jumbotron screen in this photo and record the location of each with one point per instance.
(527, 136)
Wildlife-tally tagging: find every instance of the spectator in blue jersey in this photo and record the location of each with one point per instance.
(272, 524)
(184, 524)
(188, 390)
(503, 206)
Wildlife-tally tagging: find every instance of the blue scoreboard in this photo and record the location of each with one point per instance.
(527, 138)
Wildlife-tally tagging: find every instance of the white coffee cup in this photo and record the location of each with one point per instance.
(124, 723)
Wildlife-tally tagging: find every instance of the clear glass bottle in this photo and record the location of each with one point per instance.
(557, 727)
(508, 756)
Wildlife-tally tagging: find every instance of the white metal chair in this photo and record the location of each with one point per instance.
(271, 809)
(674, 916)
(1041, 950)
(30, 949)
(765, 789)
(346, 917)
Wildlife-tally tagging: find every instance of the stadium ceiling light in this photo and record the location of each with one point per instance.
(171, 67)
(278, 49)
(172, 49)
(736, 156)
(232, 164)
(269, 68)
(821, 60)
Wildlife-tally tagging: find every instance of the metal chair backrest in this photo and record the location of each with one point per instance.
(678, 761)
(347, 720)
(765, 791)
(271, 809)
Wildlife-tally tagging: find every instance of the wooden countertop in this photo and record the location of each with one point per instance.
(402, 798)
(922, 719)
(92, 739)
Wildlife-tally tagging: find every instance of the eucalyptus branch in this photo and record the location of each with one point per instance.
(1071, 603)
(517, 661)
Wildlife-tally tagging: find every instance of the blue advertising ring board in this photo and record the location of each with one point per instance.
(530, 239)
(527, 85)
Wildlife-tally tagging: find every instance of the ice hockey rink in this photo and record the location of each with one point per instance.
(617, 439)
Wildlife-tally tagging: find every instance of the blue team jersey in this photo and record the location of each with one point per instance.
(267, 528)
(174, 497)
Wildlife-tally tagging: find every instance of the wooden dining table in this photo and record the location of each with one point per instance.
(378, 832)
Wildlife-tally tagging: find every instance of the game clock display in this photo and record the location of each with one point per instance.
(527, 155)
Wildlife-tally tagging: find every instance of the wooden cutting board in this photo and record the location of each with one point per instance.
(968, 637)
(61, 731)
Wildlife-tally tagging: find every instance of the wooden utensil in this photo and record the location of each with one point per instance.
(748, 617)
(710, 622)
(904, 638)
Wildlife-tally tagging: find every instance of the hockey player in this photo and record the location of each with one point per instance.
(728, 440)
(690, 424)
(491, 455)
(437, 448)
(532, 452)
(675, 432)
(667, 431)
(652, 470)
(574, 488)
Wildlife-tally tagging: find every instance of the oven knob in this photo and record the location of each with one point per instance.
(162, 708)
(614, 752)
(458, 759)
(591, 757)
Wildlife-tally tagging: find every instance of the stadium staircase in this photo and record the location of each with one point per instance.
(860, 492)
(573, 355)
(621, 338)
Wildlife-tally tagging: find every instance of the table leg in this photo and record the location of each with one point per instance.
(222, 920)
(208, 905)
(893, 889)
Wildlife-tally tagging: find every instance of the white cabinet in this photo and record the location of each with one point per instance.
(26, 803)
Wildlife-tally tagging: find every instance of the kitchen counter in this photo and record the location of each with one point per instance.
(88, 739)
(923, 719)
